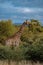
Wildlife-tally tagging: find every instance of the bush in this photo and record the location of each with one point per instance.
(29, 52)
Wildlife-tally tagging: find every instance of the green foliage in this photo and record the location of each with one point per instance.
(31, 47)
(23, 52)
(34, 52)
(33, 33)
(35, 26)
(7, 29)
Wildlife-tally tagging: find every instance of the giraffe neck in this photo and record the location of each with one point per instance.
(19, 33)
(22, 28)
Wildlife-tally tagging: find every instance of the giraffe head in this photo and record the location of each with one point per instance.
(27, 22)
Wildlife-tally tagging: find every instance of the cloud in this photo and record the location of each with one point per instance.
(38, 16)
(31, 10)
(21, 10)
(8, 7)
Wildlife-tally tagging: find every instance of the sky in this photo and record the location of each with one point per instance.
(20, 10)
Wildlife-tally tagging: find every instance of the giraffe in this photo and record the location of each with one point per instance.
(15, 39)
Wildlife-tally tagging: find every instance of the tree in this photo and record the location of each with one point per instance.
(35, 26)
(6, 29)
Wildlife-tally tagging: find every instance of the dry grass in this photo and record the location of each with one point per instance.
(19, 63)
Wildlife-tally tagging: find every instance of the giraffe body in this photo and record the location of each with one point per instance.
(14, 40)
